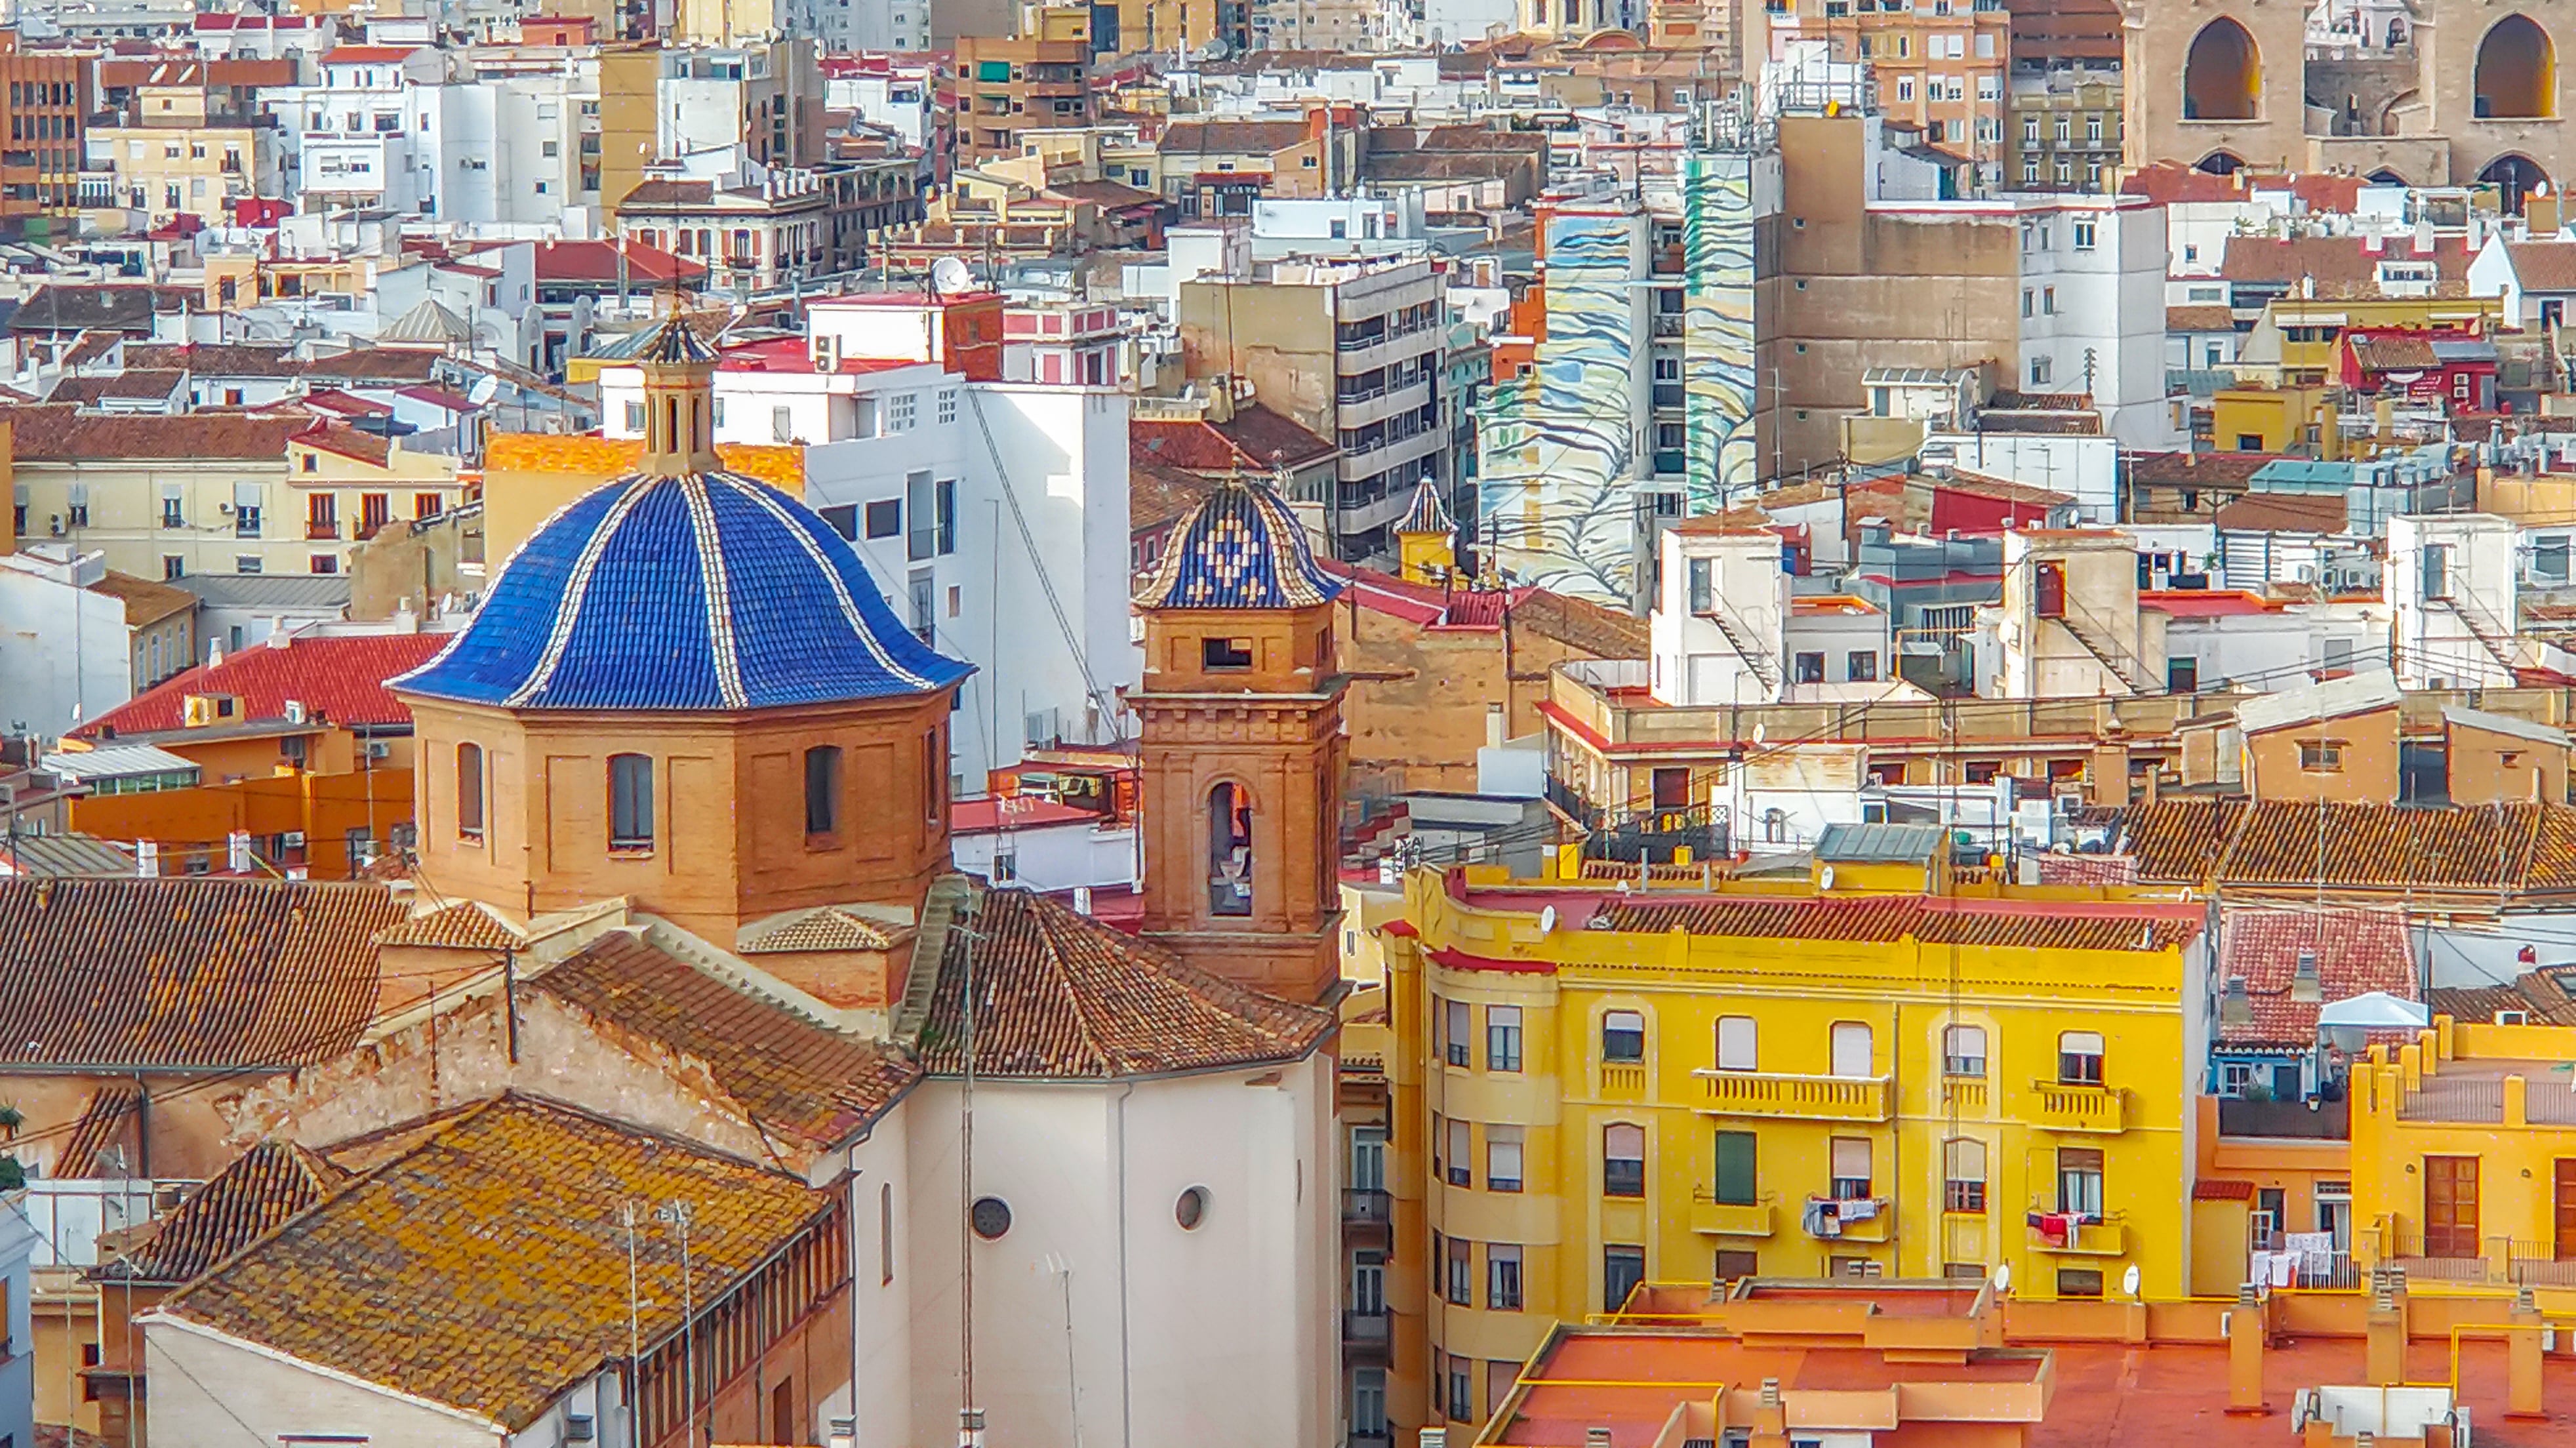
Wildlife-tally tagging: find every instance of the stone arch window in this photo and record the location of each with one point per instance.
(2396, 32)
(2220, 163)
(2517, 74)
(1229, 815)
(469, 791)
(2222, 77)
(2517, 177)
(630, 801)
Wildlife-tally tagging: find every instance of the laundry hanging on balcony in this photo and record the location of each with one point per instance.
(2056, 1227)
(1825, 1217)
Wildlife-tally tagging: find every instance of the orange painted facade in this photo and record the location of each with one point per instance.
(329, 811)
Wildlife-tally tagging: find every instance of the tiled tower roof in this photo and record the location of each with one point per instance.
(1242, 548)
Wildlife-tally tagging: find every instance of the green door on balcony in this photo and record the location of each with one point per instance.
(2451, 1206)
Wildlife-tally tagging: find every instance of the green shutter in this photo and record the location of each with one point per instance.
(993, 70)
(1735, 1168)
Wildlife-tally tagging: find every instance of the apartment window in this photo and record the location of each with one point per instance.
(823, 789)
(2079, 1282)
(1623, 1160)
(2092, 137)
(2321, 756)
(1861, 666)
(1462, 1389)
(1963, 1175)
(903, 409)
(1457, 1031)
(1850, 1165)
(248, 563)
(1368, 1401)
(1502, 1038)
(1736, 1043)
(176, 566)
(1963, 1051)
(469, 791)
(922, 541)
(630, 802)
(1462, 1272)
(1734, 1265)
(885, 517)
(2079, 1179)
(1737, 1176)
(320, 563)
(2086, 234)
(1502, 1158)
(174, 507)
(1462, 1154)
(1622, 1268)
(1623, 1036)
(2048, 301)
(943, 502)
(947, 405)
(1502, 1277)
(2182, 676)
(1810, 668)
(2437, 570)
(2079, 1058)
(635, 416)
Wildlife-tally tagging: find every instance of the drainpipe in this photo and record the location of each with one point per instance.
(1126, 1364)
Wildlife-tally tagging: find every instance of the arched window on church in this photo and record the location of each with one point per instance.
(630, 802)
(1229, 850)
(469, 791)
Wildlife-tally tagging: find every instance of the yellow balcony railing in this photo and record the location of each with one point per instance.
(1803, 1098)
(2060, 1106)
(1624, 1080)
(1966, 1094)
(1730, 1219)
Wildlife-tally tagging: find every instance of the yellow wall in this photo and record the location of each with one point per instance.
(2517, 1157)
(1795, 990)
(2277, 417)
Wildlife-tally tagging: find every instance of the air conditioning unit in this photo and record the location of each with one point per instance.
(379, 749)
(224, 508)
(577, 1428)
(2512, 1018)
(54, 524)
(292, 839)
(294, 711)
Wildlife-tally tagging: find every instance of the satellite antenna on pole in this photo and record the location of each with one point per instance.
(948, 275)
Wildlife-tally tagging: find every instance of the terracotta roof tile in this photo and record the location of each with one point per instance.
(1255, 439)
(2541, 995)
(2200, 319)
(826, 928)
(2221, 470)
(464, 925)
(2277, 844)
(795, 1076)
(485, 1268)
(2543, 266)
(245, 1201)
(96, 1131)
(186, 973)
(341, 678)
(2338, 266)
(2285, 513)
(1884, 918)
(348, 442)
(2179, 841)
(606, 458)
(146, 602)
(56, 433)
(2211, 1189)
(1230, 138)
(1062, 996)
(2357, 951)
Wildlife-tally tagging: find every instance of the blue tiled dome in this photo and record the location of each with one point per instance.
(702, 591)
(1243, 548)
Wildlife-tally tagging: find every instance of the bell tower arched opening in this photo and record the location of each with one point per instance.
(2222, 78)
(2517, 74)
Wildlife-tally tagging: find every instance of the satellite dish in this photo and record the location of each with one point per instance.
(2539, 188)
(1825, 881)
(1215, 49)
(2129, 1280)
(1547, 921)
(948, 274)
(2003, 1279)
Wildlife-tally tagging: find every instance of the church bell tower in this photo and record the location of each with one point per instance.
(1243, 748)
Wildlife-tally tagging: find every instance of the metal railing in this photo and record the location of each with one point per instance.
(1366, 1206)
(1653, 836)
(1368, 1329)
(2474, 1102)
(2305, 1120)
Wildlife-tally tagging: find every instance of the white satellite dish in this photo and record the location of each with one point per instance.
(1825, 881)
(2003, 1279)
(948, 274)
(2129, 1280)
(1547, 921)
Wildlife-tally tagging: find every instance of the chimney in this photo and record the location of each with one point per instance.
(2384, 1330)
(2246, 1333)
(2305, 986)
(2524, 1397)
(1495, 726)
(2236, 1008)
(1596, 1438)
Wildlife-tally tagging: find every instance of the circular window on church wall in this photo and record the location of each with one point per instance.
(990, 1217)
(1191, 1209)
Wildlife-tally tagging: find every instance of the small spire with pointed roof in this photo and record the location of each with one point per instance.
(1243, 547)
(1424, 537)
(679, 399)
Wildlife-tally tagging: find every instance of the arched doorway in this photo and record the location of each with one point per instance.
(2517, 75)
(2222, 79)
(2515, 176)
(2220, 163)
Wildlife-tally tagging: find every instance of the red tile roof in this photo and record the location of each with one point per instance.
(243, 1203)
(596, 262)
(342, 679)
(2277, 845)
(60, 434)
(1930, 921)
(1255, 439)
(2357, 951)
(366, 54)
(793, 1077)
(186, 973)
(1062, 996)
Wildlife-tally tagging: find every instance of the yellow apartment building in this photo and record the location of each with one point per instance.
(2294, 342)
(1838, 1074)
(2464, 1153)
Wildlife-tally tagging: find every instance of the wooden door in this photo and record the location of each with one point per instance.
(2565, 1239)
(2451, 1206)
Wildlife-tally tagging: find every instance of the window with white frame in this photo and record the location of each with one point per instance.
(903, 409)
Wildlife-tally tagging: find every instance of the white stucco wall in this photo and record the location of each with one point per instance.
(1222, 1337)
